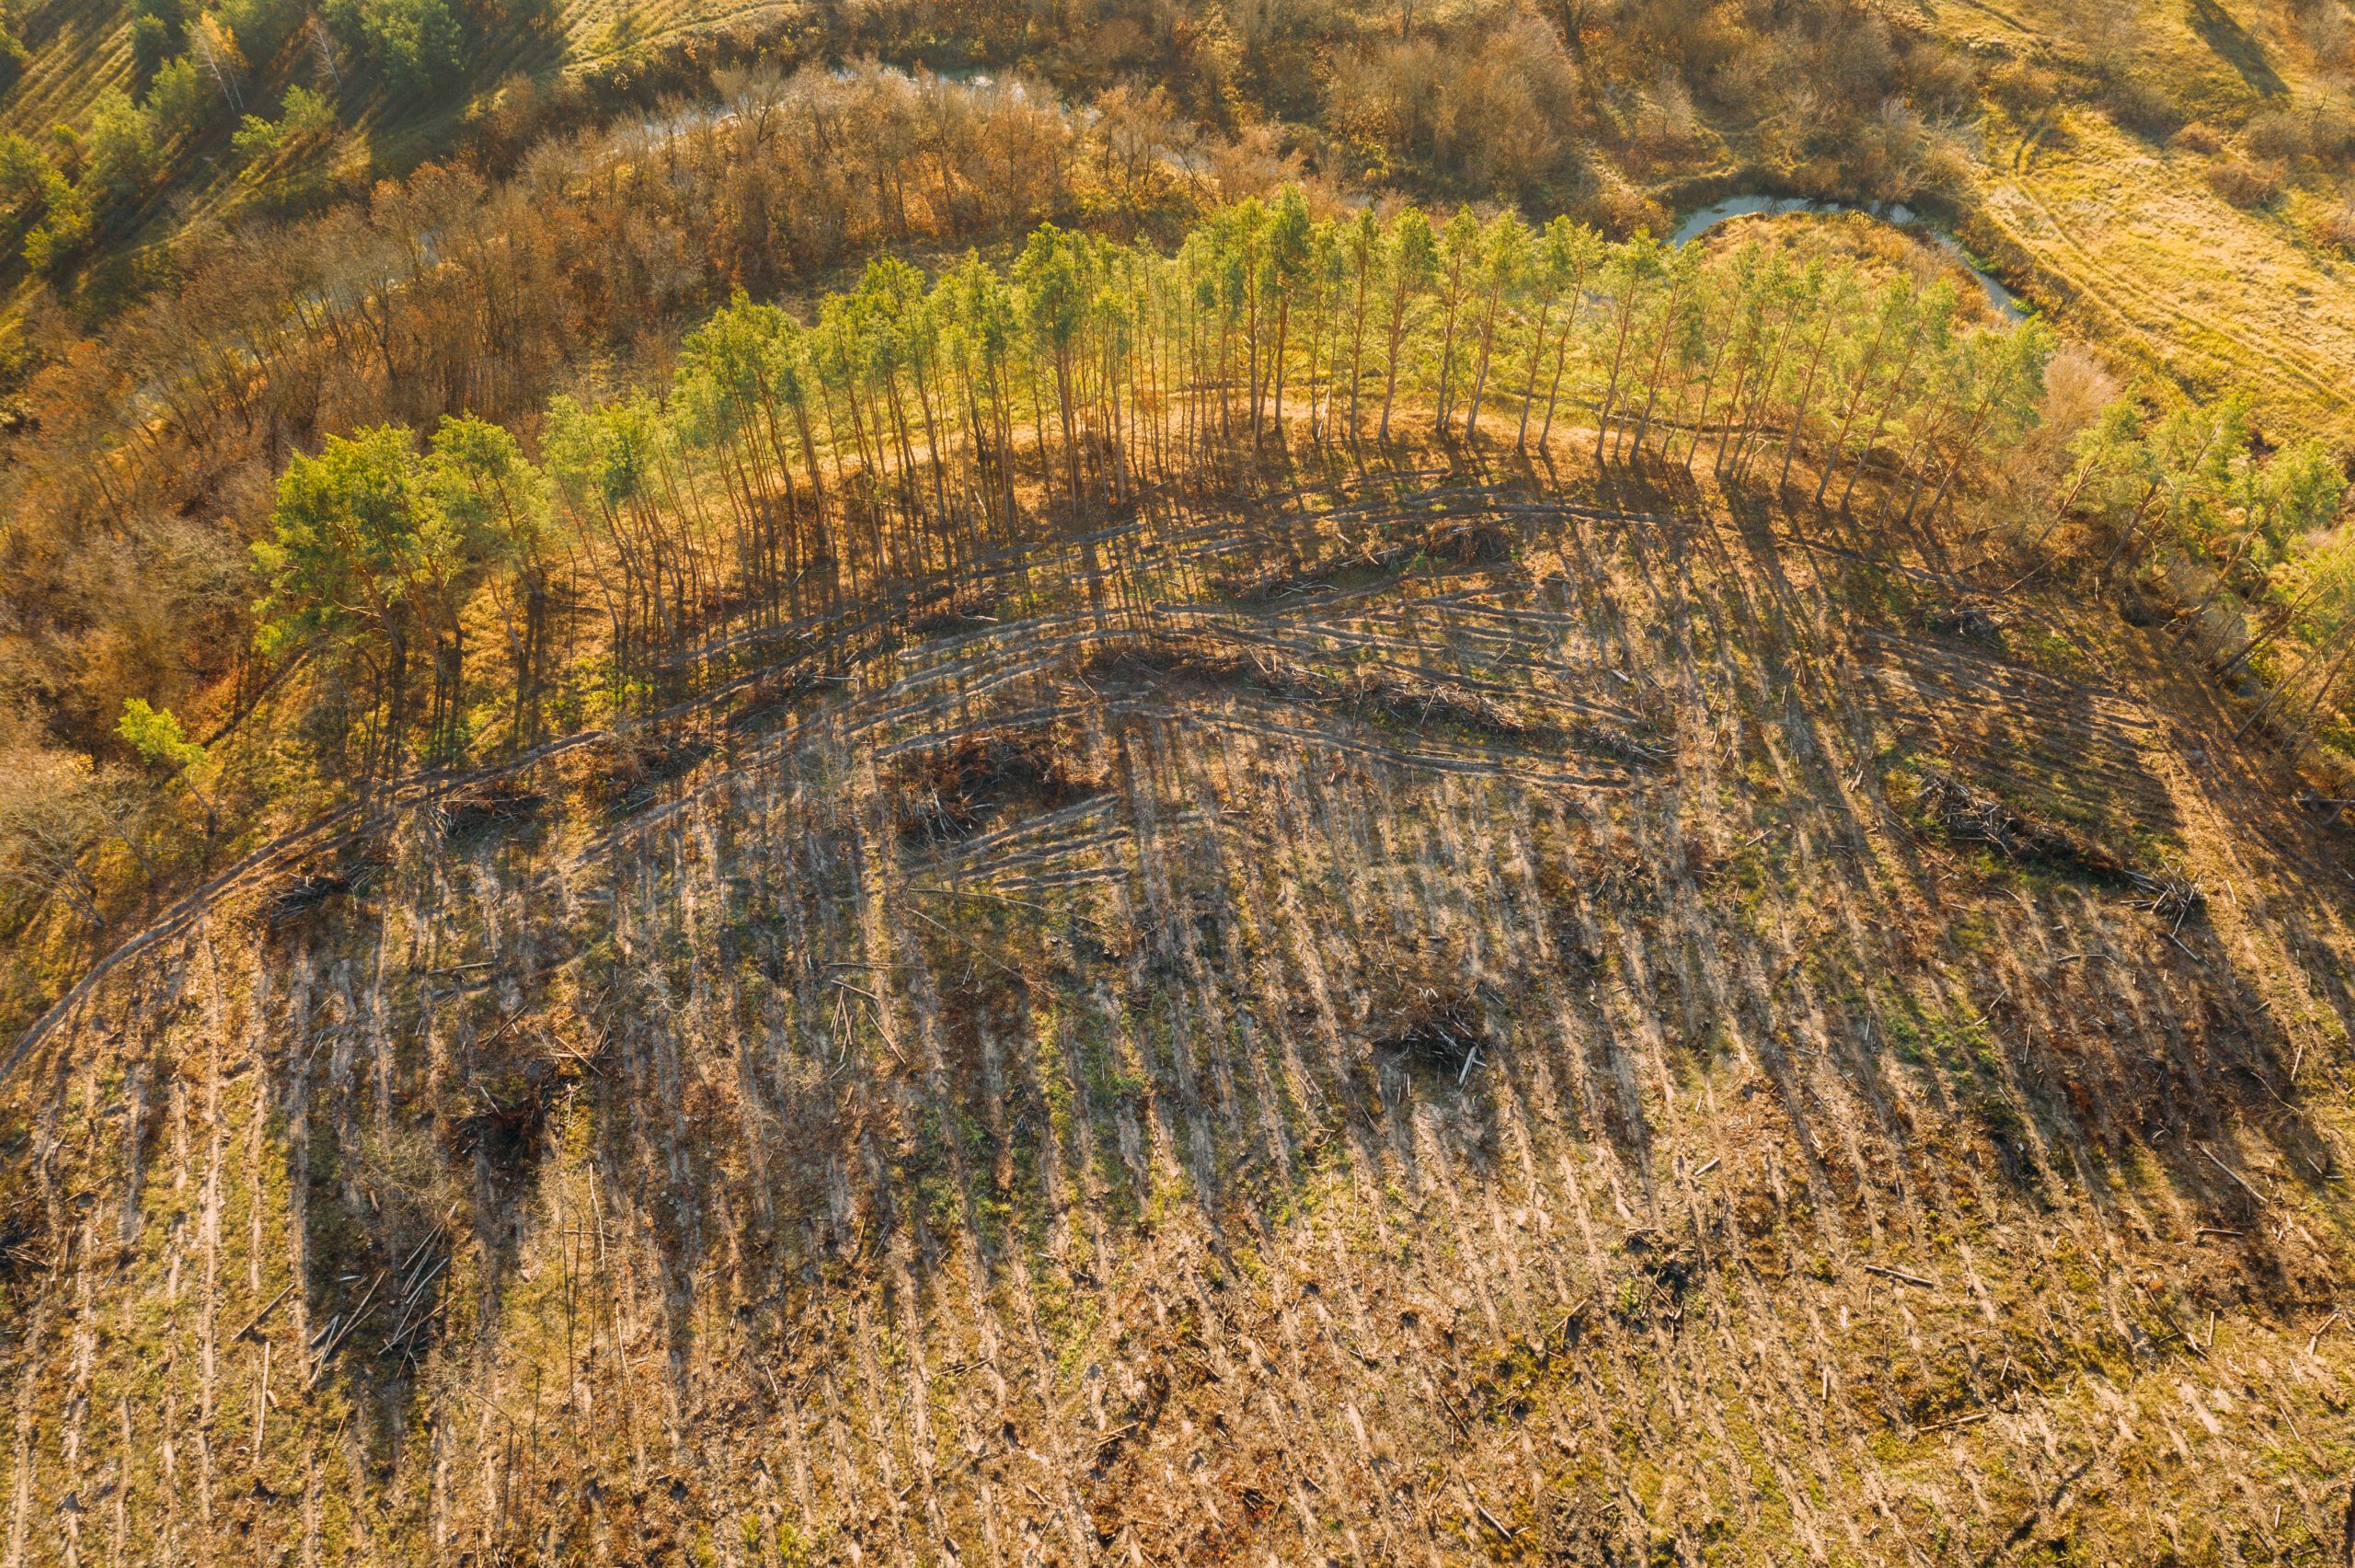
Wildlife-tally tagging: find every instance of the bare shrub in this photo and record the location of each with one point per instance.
(2277, 135)
(2077, 386)
(1666, 129)
(2325, 27)
(2336, 226)
(1615, 206)
(948, 791)
(56, 807)
(2143, 105)
(2197, 137)
(2244, 181)
(1487, 116)
(2024, 89)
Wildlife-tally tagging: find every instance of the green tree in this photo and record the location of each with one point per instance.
(158, 736)
(606, 464)
(1628, 276)
(26, 174)
(357, 552)
(2180, 473)
(1504, 247)
(13, 52)
(1412, 267)
(418, 44)
(289, 147)
(157, 30)
(1459, 258)
(1674, 331)
(260, 26)
(497, 504)
(181, 98)
(1862, 356)
(2000, 390)
(1054, 308)
(2299, 490)
(1361, 251)
(55, 243)
(978, 338)
(1572, 254)
(1290, 236)
(121, 148)
(2311, 578)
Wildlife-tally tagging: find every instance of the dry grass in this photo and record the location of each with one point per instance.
(2185, 256)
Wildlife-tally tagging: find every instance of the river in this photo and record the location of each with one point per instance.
(1697, 224)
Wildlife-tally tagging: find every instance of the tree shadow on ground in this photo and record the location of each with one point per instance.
(2235, 45)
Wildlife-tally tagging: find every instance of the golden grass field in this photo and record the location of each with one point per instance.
(2126, 244)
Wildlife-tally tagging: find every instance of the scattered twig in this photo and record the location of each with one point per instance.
(344, 1332)
(256, 1320)
(1957, 1421)
(1503, 1530)
(2238, 1180)
(1017, 975)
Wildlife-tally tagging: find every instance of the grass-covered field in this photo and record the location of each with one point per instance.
(2124, 238)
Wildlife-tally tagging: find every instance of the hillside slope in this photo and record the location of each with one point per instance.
(1383, 1016)
(2124, 219)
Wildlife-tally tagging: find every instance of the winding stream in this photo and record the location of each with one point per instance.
(1698, 222)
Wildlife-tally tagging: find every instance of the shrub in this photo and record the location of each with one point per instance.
(2024, 89)
(2242, 182)
(2143, 107)
(1486, 116)
(2197, 137)
(285, 152)
(2277, 135)
(2336, 227)
(1938, 80)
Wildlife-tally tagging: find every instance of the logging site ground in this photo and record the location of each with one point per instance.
(1411, 1015)
(1101, 782)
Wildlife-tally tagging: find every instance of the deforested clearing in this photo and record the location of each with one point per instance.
(1255, 1118)
(903, 816)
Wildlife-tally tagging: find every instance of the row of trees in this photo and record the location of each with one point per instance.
(910, 427)
(905, 432)
(2257, 527)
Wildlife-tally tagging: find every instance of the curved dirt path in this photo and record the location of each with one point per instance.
(2148, 259)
